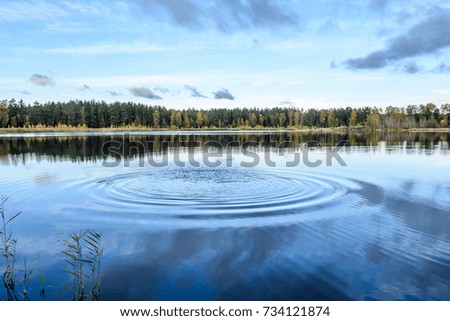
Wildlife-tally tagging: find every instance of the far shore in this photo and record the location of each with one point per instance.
(114, 130)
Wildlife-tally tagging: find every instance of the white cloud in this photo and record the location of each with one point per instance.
(71, 27)
(41, 10)
(11, 81)
(127, 81)
(13, 11)
(96, 7)
(261, 83)
(442, 92)
(291, 45)
(105, 49)
(294, 83)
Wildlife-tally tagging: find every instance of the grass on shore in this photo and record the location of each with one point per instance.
(82, 253)
(81, 129)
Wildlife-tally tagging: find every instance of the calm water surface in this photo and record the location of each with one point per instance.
(376, 229)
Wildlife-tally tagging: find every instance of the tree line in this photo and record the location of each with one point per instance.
(99, 114)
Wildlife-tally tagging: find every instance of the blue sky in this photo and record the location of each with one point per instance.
(228, 53)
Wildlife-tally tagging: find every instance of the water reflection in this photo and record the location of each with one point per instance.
(376, 229)
(88, 148)
(234, 264)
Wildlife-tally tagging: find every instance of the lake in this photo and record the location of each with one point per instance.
(236, 215)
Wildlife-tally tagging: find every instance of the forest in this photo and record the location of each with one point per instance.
(99, 114)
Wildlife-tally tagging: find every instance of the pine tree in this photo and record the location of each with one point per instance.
(156, 119)
(4, 115)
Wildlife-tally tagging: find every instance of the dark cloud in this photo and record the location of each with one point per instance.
(25, 92)
(224, 15)
(42, 80)
(143, 92)
(162, 90)
(223, 94)
(85, 87)
(287, 103)
(333, 65)
(112, 93)
(426, 37)
(194, 92)
(442, 68)
(403, 17)
(378, 5)
(375, 60)
(328, 26)
(411, 68)
(185, 13)
(383, 32)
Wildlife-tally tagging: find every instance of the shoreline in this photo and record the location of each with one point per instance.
(80, 131)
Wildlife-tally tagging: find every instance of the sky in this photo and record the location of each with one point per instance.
(227, 53)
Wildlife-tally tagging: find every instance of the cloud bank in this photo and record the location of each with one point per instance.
(288, 103)
(378, 5)
(426, 37)
(162, 90)
(442, 68)
(223, 94)
(41, 80)
(224, 15)
(143, 92)
(194, 92)
(411, 68)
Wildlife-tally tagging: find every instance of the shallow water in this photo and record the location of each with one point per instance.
(376, 229)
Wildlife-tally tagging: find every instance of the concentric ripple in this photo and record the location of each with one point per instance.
(219, 193)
